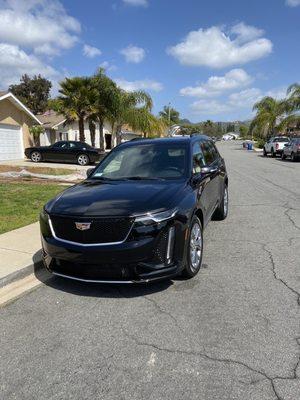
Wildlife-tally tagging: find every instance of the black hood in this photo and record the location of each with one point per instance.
(122, 198)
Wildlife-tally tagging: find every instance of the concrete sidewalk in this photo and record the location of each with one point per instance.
(19, 251)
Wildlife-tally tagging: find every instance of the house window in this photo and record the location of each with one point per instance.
(63, 136)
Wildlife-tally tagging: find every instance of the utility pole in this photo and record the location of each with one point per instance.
(169, 114)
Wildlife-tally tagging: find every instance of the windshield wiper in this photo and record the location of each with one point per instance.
(101, 178)
(140, 178)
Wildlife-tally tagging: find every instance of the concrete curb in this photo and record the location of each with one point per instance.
(22, 273)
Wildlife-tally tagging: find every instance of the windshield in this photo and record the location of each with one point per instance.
(144, 161)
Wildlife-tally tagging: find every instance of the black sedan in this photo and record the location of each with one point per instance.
(140, 215)
(65, 151)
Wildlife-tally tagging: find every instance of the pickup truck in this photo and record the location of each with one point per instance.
(275, 145)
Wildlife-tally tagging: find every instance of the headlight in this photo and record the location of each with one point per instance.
(44, 215)
(150, 219)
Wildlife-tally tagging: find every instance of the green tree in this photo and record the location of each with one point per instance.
(293, 100)
(102, 101)
(33, 92)
(170, 115)
(75, 101)
(269, 118)
(132, 108)
(36, 131)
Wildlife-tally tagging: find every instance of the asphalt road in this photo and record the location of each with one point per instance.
(233, 332)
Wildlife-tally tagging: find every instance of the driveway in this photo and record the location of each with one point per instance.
(231, 333)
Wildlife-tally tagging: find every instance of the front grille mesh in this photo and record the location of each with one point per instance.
(102, 230)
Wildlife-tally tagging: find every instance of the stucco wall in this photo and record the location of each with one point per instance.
(11, 115)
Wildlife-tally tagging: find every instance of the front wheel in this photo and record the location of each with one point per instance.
(293, 157)
(194, 249)
(222, 211)
(36, 156)
(83, 159)
(273, 154)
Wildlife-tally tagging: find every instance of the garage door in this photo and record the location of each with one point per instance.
(11, 147)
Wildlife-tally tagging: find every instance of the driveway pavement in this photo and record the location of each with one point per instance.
(232, 333)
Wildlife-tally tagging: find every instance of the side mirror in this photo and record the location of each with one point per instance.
(89, 172)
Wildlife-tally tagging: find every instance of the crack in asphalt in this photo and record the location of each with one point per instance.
(164, 312)
(213, 359)
(286, 213)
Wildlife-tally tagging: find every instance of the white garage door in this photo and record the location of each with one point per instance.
(11, 147)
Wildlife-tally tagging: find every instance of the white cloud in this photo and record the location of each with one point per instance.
(107, 66)
(133, 54)
(211, 107)
(293, 3)
(41, 25)
(216, 85)
(143, 3)
(243, 100)
(146, 84)
(91, 51)
(215, 48)
(14, 62)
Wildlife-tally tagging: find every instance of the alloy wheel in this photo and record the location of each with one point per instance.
(36, 156)
(83, 159)
(195, 246)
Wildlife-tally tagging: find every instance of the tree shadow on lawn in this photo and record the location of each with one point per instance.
(95, 289)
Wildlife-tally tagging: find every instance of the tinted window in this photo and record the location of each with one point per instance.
(282, 139)
(209, 152)
(198, 159)
(60, 145)
(157, 160)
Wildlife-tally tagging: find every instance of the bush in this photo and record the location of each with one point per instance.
(259, 143)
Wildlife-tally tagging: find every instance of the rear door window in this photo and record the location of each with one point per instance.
(209, 152)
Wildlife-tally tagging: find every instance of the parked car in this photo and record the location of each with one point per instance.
(140, 214)
(275, 145)
(292, 150)
(64, 151)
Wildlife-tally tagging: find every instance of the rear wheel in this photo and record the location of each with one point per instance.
(194, 250)
(36, 156)
(283, 156)
(222, 211)
(293, 157)
(265, 153)
(83, 159)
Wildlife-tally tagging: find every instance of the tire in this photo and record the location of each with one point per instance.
(293, 157)
(283, 156)
(83, 159)
(36, 156)
(194, 249)
(265, 153)
(273, 154)
(222, 211)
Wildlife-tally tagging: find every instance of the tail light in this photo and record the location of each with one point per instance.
(277, 146)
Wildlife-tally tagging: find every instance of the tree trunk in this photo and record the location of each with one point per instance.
(113, 143)
(81, 129)
(118, 133)
(92, 129)
(101, 134)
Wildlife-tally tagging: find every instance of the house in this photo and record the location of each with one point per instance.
(58, 128)
(15, 122)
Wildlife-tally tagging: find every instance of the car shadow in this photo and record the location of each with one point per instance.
(95, 289)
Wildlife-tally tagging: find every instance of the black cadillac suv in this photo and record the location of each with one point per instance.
(140, 214)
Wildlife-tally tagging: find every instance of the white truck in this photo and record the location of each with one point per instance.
(275, 145)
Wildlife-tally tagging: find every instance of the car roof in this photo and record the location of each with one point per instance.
(174, 139)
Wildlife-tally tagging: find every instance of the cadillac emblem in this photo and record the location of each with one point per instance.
(83, 226)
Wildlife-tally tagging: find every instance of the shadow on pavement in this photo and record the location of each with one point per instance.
(95, 289)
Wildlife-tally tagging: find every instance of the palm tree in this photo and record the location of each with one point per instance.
(170, 115)
(102, 100)
(270, 117)
(293, 100)
(132, 108)
(74, 101)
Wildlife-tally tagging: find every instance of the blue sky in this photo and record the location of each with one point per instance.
(210, 59)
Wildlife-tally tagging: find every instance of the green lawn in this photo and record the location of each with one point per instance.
(20, 203)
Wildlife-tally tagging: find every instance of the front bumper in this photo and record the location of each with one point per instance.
(140, 259)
